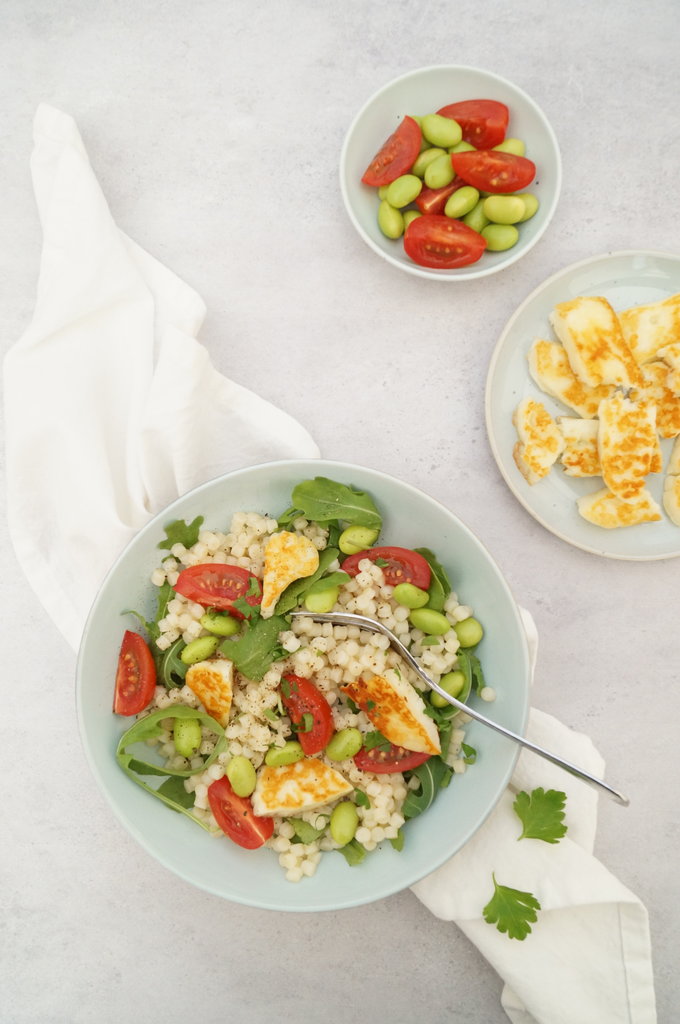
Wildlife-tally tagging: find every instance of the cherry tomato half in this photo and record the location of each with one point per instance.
(300, 697)
(491, 170)
(135, 676)
(217, 586)
(236, 817)
(403, 565)
(385, 762)
(396, 156)
(483, 122)
(442, 243)
(433, 200)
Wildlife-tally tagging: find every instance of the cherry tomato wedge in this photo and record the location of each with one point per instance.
(217, 586)
(494, 171)
(300, 697)
(442, 243)
(236, 817)
(396, 156)
(403, 565)
(433, 200)
(135, 676)
(385, 762)
(483, 122)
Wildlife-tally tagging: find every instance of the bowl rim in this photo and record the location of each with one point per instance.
(460, 273)
(343, 901)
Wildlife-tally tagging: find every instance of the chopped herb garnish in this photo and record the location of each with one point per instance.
(306, 723)
(180, 532)
(361, 799)
(375, 740)
(470, 753)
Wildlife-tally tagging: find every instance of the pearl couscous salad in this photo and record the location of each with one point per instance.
(278, 730)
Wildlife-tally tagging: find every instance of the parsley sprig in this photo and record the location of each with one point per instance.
(511, 910)
(542, 814)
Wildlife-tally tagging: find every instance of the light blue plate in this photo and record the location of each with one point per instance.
(411, 519)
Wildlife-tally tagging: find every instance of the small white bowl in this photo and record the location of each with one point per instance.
(423, 92)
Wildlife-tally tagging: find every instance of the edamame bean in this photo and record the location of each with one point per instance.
(500, 236)
(431, 622)
(515, 146)
(344, 822)
(461, 147)
(440, 172)
(241, 775)
(410, 596)
(222, 625)
(200, 649)
(469, 632)
(345, 743)
(461, 202)
(357, 538)
(441, 131)
(403, 190)
(424, 159)
(476, 218)
(390, 221)
(289, 753)
(453, 683)
(504, 209)
(322, 600)
(186, 735)
(382, 191)
(410, 216)
(530, 205)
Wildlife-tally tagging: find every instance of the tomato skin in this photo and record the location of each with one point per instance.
(433, 200)
(386, 762)
(235, 816)
(483, 122)
(494, 171)
(214, 585)
(442, 243)
(404, 565)
(135, 675)
(396, 156)
(301, 697)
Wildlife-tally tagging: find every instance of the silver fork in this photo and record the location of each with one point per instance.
(363, 622)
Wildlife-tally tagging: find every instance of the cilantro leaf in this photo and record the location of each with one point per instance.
(511, 910)
(541, 814)
(180, 532)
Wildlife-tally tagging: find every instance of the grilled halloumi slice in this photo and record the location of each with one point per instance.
(287, 557)
(628, 445)
(293, 788)
(581, 455)
(649, 328)
(540, 441)
(550, 369)
(673, 466)
(671, 497)
(598, 354)
(655, 389)
(212, 682)
(670, 354)
(396, 710)
(604, 509)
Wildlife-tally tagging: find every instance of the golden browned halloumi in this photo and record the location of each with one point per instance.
(212, 682)
(649, 328)
(670, 354)
(674, 459)
(598, 354)
(604, 509)
(655, 389)
(581, 455)
(671, 497)
(287, 557)
(628, 445)
(293, 788)
(396, 710)
(550, 368)
(540, 442)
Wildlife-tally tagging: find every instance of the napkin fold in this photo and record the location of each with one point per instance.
(113, 409)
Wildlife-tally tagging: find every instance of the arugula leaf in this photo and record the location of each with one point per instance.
(470, 665)
(334, 579)
(440, 586)
(254, 651)
(170, 668)
(150, 727)
(433, 775)
(398, 841)
(289, 516)
(322, 500)
(165, 594)
(353, 852)
(295, 591)
(304, 832)
(511, 910)
(180, 532)
(173, 789)
(541, 814)
(376, 739)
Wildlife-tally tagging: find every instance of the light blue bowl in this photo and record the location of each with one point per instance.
(411, 519)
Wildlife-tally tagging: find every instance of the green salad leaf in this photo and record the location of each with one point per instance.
(304, 832)
(470, 665)
(440, 587)
(180, 532)
(433, 775)
(257, 647)
(353, 852)
(334, 579)
(542, 814)
(323, 500)
(295, 592)
(170, 668)
(511, 910)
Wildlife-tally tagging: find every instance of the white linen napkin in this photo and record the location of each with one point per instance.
(112, 410)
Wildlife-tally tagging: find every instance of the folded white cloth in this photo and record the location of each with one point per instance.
(112, 410)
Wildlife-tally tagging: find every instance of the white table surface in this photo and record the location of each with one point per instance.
(215, 129)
